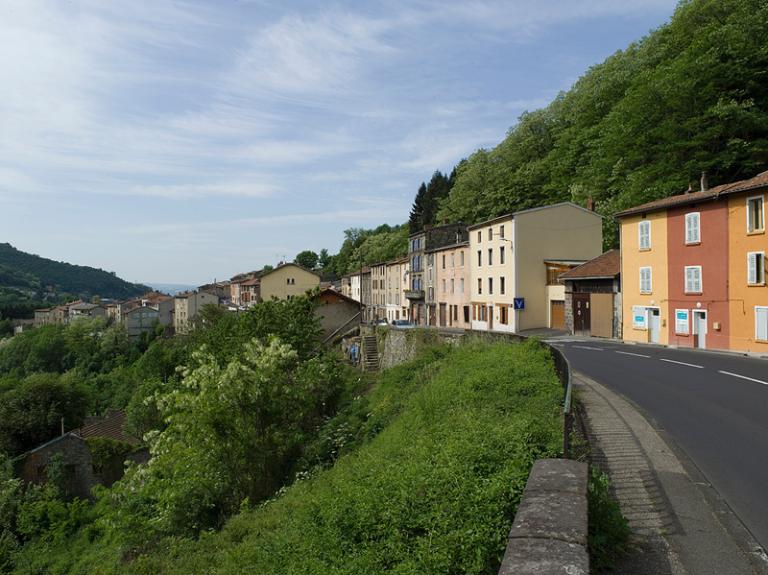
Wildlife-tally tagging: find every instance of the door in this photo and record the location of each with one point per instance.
(700, 329)
(654, 324)
(490, 317)
(581, 314)
(557, 314)
(601, 314)
(443, 321)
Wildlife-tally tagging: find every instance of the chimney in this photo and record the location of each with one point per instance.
(690, 188)
(704, 182)
(590, 204)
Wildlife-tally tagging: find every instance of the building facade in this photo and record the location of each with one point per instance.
(378, 307)
(287, 281)
(396, 283)
(693, 268)
(419, 244)
(452, 286)
(510, 261)
(186, 308)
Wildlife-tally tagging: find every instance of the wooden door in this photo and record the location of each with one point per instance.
(443, 321)
(581, 314)
(557, 314)
(601, 314)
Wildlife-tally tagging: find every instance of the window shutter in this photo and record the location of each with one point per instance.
(752, 268)
(761, 323)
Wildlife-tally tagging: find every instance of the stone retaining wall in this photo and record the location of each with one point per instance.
(549, 534)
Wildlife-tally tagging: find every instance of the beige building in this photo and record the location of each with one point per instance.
(286, 281)
(187, 306)
(141, 319)
(452, 286)
(378, 308)
(396, 282)
(511, 257)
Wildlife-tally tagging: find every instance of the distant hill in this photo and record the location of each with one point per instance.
(41, 277)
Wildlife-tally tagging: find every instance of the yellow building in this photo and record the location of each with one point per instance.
(748, 292)
(286, 281)
(644, 276)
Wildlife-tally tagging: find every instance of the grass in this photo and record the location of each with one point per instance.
(422, 475)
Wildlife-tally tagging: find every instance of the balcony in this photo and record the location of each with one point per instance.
(414, 294)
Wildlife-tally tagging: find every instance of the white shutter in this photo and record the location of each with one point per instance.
(692, 228)
(752, 267)
(644, 230)
(761, 323)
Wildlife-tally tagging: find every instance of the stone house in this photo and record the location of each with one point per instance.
(70, 454)
(337, 313)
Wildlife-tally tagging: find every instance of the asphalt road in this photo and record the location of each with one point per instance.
(714, 406)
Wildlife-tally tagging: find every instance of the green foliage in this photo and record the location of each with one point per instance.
(22, 270)
(231, 434)
(427, 201)
(608, 529)
(31, 412)
(106, 451)
(365, 247)
(639, 126)
(443, 457)
(307, 259)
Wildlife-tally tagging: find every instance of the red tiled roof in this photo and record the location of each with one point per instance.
(607, 265)
(759, 181)
(251, 282)
(109, 426)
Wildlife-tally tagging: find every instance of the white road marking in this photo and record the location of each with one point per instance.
(587, 347)
(630, 353)
(743, 377)
(682, 363)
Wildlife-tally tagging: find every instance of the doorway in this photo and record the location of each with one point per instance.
(700, 329)
(581, 314)
(654, 324)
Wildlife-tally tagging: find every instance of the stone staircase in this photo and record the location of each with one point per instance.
(370, 353)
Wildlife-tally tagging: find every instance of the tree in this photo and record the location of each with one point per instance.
(307, 259)
(231, 433)
(324, 259)
(416, 219)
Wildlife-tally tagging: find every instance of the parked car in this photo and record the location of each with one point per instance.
(402, 324)
(381, 321)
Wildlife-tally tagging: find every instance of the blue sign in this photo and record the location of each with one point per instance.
(519, 303)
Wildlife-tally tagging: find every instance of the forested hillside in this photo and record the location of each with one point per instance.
(692, 96)
(34, 274)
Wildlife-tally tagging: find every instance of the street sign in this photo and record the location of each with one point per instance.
(519, 303)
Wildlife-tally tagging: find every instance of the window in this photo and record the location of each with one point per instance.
(755, 214)
(644, 231)
(639, 317)
(490, 285)
(453, 260)
(501, 232)
(682, 323)
(646, 280)
(692, 279)
(490, 256)
(756, 268)
(479, 258)
(490, 234)
(761, 323)
(443, 286)
(501, 255)
(443, 261)
(502, 287)
(692, 228)
(453, 285)
(479, 286)
(461, 285)
(461, 258)
(479, 236)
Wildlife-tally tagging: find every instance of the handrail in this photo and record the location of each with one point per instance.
(345, 324)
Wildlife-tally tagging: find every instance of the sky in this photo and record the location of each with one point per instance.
(186, 141)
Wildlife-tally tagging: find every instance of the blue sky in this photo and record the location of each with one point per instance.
(185, 141)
